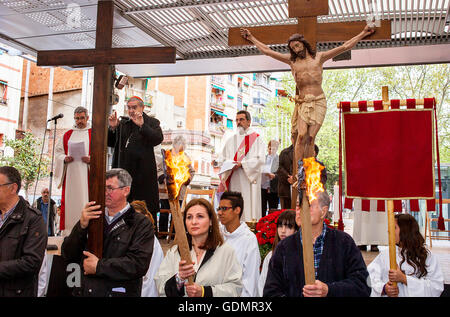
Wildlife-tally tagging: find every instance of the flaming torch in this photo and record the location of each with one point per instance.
(177, 173)
(309, 185)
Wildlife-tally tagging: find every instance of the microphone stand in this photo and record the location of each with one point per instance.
(51, 246)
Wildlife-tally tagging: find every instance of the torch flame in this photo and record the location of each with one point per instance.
(312, 178)
(178, 172)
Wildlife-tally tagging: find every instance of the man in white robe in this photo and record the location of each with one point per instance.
(72, 171)
(238, 235)
(245, 152)
(369, 227)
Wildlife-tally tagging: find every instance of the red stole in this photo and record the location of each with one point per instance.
(66, 137)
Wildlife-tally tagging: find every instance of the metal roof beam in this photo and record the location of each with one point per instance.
(187, 5)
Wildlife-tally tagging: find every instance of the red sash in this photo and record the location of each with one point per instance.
(62, 218)
(241, 152)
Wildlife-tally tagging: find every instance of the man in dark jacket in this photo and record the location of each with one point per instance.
(285, 179)
(23, 239)
(339, 266)
(47, 206)
(127, 243)
(133, 140)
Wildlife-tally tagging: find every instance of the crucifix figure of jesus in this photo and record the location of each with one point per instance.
(307, 67)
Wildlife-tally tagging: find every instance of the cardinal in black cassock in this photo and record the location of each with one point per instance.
(133, 151)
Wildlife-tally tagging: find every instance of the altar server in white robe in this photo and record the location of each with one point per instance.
(369, 227)
(238, 235)
(71, 172)
(418, 273)
(245, 152)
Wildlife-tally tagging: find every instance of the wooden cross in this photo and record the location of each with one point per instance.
(306, 12)
(102, 57)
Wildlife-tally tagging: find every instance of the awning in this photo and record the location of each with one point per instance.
(220, 113)
(219, 88)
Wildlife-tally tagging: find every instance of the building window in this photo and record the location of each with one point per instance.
(3, 92)
(230, 124)
(230, 77)
(239, 103)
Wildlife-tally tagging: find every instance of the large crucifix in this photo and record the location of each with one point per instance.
(306, 12)
(308, 74)
(102, 58)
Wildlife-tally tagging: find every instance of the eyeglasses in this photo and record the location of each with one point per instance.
(223, 208)
(6, 184)
(111, 189)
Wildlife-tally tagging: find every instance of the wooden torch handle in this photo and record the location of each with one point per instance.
(181, 238)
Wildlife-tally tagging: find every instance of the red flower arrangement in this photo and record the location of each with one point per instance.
(266, 230)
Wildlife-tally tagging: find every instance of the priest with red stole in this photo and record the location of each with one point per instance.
(241, 162)
(72, 156)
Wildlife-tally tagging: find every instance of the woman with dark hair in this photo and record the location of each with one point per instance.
(418, 273)
(286, 226)
(215, 268)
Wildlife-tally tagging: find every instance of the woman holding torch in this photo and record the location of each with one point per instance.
(215, 269)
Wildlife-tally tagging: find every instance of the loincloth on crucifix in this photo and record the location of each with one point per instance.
(310, 109)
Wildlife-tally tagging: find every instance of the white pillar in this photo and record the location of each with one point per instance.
(50, 97)
(25, 101)
(84, 89)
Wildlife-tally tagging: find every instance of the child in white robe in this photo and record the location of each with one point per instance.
(418, 273)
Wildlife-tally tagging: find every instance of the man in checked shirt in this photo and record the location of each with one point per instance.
(339, 266)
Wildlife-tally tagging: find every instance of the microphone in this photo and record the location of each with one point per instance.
(59, 116)
(124, 118)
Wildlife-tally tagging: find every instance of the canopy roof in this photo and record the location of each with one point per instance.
(199, 31)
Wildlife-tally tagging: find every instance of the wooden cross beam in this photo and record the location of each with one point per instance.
(306, 12)
(102, 57)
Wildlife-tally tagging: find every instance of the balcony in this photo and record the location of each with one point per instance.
(216, 105)
(259, 121)
(216, 128)
(218, 81)
(261, 83)
(260, 101)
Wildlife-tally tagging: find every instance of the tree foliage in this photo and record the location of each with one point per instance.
(26, 159)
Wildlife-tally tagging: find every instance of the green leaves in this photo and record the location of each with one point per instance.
(26, 158)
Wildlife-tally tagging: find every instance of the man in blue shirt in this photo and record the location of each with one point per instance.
(127, 243)
(42, 204)
(339, 266)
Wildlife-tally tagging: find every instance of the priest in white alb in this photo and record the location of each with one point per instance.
(241, 161)
(370, 225)
(72, 156)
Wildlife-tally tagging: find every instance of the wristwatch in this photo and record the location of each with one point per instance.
(180, 282)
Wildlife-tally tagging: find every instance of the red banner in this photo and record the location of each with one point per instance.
(389, 154)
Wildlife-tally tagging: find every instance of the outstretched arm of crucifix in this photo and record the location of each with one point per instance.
(348, 45)
(263, 48)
